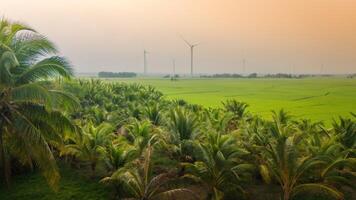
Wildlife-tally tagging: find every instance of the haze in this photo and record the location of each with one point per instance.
(295, 36)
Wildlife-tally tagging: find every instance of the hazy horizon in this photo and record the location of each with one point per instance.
(274, 36)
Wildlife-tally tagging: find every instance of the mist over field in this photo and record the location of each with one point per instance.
(294, 36)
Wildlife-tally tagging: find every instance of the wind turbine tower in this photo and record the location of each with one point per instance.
(244, 66)
(174, 68)
(191, 46)
(322, 69)
(145, 61)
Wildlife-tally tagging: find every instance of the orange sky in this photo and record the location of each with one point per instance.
(272, 35)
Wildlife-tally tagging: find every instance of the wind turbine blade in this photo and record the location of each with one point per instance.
(185, 41)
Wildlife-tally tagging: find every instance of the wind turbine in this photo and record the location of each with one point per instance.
(243, 62)
(145, 61)
(244, 66)
(191, 46)
(174, 68)
(322, 69)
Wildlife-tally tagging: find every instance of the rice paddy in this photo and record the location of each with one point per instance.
(320, 99)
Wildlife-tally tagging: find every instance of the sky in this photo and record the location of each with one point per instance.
(272, 36)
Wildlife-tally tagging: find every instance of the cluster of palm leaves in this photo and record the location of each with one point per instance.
(143, 146)
(31, 125)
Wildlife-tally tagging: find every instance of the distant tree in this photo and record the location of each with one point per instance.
(252, 75)
(117, 74)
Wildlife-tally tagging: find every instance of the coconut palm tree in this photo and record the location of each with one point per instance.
(88, 147)
(219, 166)
(184, 127)
(236, 107)
(153, 113)
(183, 123)
(29, 107)
(289, 165)
(218, 120)
(141, 134)
(118, 155)
(345, 130)
(139, 182)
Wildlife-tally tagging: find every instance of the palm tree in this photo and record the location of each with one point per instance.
(236, 107)
(282, 117)
(29, 108)
(118, 155)
(289, 165)
(89, 146)
(219, 166)
(153, 113)
(346, 132)
(184, 126)
(218, 120)
(140, 135)
(183, 123)
(138, 182)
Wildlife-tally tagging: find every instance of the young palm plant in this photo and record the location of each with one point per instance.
(141, 134)
(184, 126)
(345, 130)
(29, 108)
(140, 183)
(289, 165)
(118, 155)
(89, 146)
(219, 167)
(153, 113)
(236, 107)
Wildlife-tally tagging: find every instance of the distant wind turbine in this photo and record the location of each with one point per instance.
(243, 62)
(292, 69)
(174, 68)
(322, 68)
(244, 65)
(191, 46)
(145, 61)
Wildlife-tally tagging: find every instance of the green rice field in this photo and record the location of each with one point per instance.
(314, 98)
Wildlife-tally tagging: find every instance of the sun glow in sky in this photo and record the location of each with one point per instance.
(290, 36)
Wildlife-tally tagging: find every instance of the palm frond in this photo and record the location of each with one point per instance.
(180, 193)
(63, 100)
(47, 68)
(318, 188)
(31, 92)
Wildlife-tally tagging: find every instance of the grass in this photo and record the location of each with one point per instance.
(319, 99)
(72, 186)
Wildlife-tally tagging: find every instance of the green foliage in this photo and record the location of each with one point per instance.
(219, 166)
(235, 107)
(30, 121)
(140, 183)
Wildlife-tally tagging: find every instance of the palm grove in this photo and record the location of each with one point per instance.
(142, 146)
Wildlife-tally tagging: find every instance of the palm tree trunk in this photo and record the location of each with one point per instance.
(93, 167)
(286, 194)
(4, 165)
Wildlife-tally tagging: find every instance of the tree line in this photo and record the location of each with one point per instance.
(117, 74)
